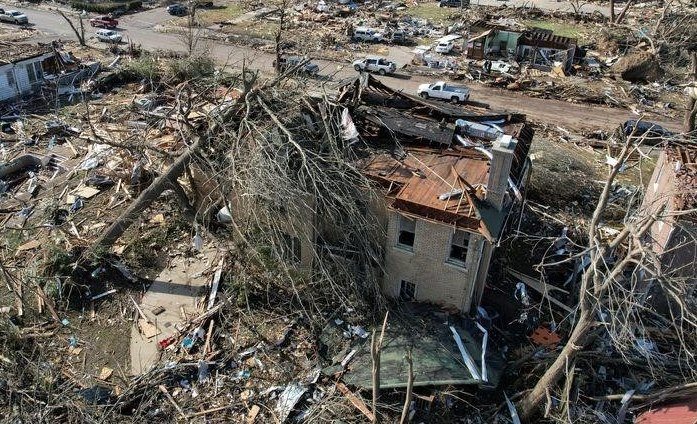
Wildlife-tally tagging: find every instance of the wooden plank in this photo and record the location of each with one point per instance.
(541, 288)
(356, 401)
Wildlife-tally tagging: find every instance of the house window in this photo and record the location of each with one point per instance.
(407, 233)
(291, 248)
(458, 248)
(31, 73)
(407, 291)
(39, 70)
(11, 79)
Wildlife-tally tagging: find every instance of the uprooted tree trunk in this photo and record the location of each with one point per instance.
(80, 34)
(594, 290)
(278, 37)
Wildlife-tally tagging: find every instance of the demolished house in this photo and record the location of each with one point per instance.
(545, 50)
(491, 40)
(27, 68)
(450, 177)
(671, 196)
(22, 69)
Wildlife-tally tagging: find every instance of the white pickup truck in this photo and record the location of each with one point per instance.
(441, 90)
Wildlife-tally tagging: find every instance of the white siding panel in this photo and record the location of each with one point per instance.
(7, 90)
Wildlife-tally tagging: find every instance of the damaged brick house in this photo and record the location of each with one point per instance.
(450, 180)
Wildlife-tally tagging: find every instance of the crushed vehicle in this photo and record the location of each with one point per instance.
(104, 22)
(14, 17)
(108, 36)
(399, 38)
(500, 66)
(375, 64)
(367, 34)
(441, 90)
(453, 3)
(177, 9)
(649, 130)
(288, 62)
(444, 47)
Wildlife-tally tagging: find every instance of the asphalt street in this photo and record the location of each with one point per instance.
(140, 28)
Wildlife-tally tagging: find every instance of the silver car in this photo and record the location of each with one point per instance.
(15, 17)
(108, 36)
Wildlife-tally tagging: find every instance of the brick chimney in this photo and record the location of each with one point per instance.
(499, 170)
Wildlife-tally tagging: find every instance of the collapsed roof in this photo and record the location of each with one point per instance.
(434, 159)
(17, 52)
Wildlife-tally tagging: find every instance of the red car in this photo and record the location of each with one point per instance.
(104, 22)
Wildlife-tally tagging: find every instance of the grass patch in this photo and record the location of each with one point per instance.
(211, 16)
(564, 29)
(431, 11)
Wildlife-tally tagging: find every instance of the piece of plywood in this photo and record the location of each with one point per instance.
(149, 330)
(105, 373)
(30, 245)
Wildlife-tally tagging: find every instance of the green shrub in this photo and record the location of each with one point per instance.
(191, 68)
(144, 67)
(106, 7)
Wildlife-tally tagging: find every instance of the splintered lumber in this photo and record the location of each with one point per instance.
(540, 287)
(356, 401)
(216, 283)
(149, 195)
(163, 389)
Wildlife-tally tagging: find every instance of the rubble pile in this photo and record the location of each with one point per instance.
(187, 243)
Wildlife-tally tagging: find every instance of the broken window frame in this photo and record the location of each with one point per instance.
(31, 73)
(11, 81)
(459, 247)
(406, 226)
(407, 291)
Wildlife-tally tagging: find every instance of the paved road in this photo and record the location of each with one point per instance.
(139, 28)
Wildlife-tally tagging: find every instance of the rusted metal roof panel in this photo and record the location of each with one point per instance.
(423, 175)
(684, 412)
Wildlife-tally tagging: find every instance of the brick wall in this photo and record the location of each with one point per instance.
(437, 280)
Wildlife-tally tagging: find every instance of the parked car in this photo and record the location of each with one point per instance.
(454, 3)
(444, 47)
(14, 17)
(399, 37)
(367, 34)
(108, 36)
(292, 61)
(375, 64)
(177, 9)
(441, 90)
(104, 22)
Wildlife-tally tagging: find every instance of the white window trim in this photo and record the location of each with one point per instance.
(400, 246)
(454, 262)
